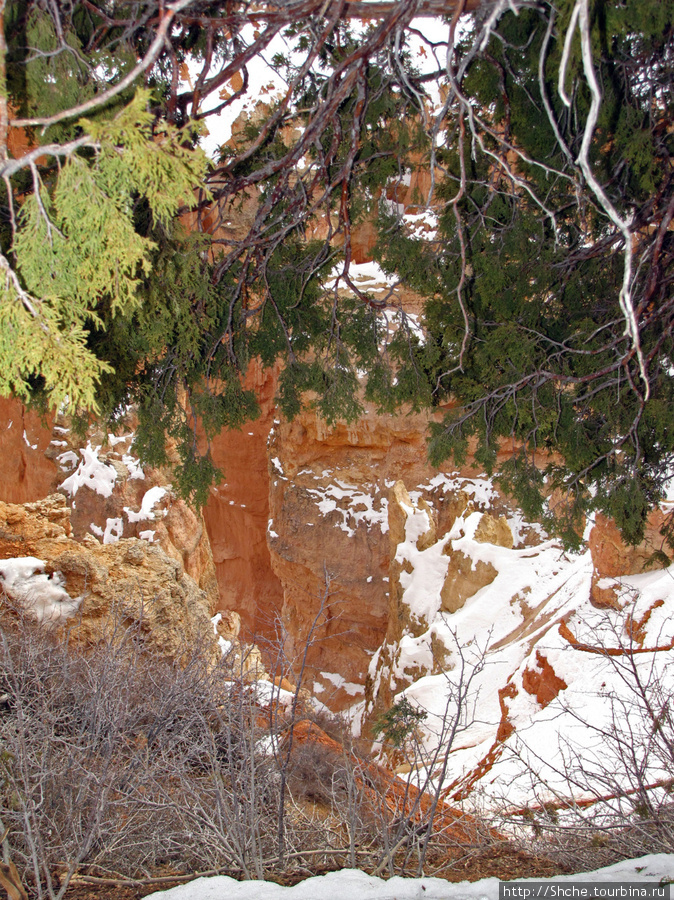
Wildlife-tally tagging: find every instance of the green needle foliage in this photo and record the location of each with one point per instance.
(399, 722)
(546, 366)
(109, 301)
(76, 248)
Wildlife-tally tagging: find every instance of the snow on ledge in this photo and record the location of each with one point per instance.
(349, 687)
(149, 501)
(92, 473)
(133, 465)
(43, 595)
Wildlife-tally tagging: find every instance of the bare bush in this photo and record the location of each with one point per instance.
(423, 826)
(611, 796)
(116, 760)
(118, 763)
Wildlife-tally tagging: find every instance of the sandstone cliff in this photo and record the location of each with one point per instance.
(90, 588)
(495, 636)
(344, 538)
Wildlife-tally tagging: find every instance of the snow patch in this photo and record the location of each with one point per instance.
(354, 505)
(349, 687)
(225, 645)
(91, 472)
(68, 460)
(114, 530)
(113, 440)
(43, 595)
(657, 868)
(149, 501)
(369, 277)
(268, 693)
(27, 442)
(133, 465)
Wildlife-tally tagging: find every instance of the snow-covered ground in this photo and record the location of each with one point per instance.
(550, 681)
(351, 884)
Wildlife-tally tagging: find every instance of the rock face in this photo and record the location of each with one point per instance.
(333, 527)
(26, 473)
(237, 515)
(328, 538)
(431, 573)
(498, 643)
(93, 588)
(115, 540)
(612, 558)
(373, 572)
(112, 497)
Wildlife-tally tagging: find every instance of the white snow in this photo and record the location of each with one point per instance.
(149, 501)
(349, 687)
(506, 628)
(113, 440)
(369, 277)
(225, 645)
(422, 586)
(422, 226)
(653, 869)
(24, 579)
(264, 85)
(91, 472)
(268, 693)
(114, 530)
(68, 460)
(27, 442)
(133, 465)
(480, 490)
(355, 505)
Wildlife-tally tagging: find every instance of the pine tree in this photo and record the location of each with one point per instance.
(550, 283)
(73, 245)
(548, 320)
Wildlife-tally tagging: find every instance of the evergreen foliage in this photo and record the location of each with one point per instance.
(547, 365)
(109, 301)
(76, 249)
(399, 722)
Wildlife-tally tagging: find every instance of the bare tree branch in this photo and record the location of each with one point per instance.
(101, 99)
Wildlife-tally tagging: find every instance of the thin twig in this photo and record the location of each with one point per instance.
(101, 99)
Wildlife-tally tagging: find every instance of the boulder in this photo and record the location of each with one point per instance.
(91, 588)
(464, 578)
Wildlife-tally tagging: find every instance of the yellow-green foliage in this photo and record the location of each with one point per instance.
(76, 246)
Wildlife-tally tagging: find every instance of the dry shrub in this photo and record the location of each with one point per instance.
(116, 760)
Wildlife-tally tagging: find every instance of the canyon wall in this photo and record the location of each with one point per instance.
(300, 537)
(93, 589)
(237, 514)
(26, 473)
(374, 572)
